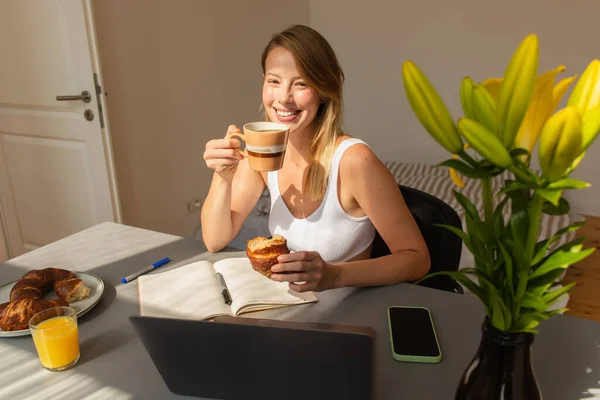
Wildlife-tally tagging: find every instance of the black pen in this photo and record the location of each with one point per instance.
(224, 290)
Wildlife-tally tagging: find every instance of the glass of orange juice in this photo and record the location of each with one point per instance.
(56, 337)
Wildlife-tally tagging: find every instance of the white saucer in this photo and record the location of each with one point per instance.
(81, 306)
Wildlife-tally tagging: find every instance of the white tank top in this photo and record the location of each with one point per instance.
(335, 235)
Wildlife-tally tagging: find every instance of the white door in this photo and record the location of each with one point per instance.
(56, 169)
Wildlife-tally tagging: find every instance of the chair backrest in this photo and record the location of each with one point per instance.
(444, 246)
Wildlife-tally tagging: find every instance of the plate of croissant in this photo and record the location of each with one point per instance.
(40, 289)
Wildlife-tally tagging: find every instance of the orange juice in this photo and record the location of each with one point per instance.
(57, 342)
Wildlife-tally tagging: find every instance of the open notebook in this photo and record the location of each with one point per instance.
(193, 291)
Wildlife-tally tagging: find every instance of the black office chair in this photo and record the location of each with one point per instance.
(444, 246)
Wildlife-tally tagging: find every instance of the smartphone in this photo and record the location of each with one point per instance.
(412, 335)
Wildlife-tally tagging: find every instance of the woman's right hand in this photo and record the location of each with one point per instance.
(221, 155)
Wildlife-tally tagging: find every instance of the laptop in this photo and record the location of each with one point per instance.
(248, 358)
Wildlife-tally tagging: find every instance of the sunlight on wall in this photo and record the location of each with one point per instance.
(22, 376)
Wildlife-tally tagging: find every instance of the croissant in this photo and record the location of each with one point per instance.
(263, 252)
(26, 296)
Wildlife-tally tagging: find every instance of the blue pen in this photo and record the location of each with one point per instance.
(149, 268)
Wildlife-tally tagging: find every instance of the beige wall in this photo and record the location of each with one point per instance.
(447, 39)
(177, 74)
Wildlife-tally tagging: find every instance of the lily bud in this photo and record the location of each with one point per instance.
(466, 97)
(484, 108)
(586, 94)
(430, 109)
(560, 143)
(516, 89)
(590, 128)
(484, 142)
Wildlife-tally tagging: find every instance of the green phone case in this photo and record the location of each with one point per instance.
(413, 358)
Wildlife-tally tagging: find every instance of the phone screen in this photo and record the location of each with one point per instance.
(412, 332)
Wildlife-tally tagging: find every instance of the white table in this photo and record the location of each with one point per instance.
(114, 364)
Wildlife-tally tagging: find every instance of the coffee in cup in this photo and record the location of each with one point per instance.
(265, 144)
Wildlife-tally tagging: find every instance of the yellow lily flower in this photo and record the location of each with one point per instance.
(544, 101)
(456, 179)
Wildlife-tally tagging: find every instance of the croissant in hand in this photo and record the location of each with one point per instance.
(26, 296)
(263, 252)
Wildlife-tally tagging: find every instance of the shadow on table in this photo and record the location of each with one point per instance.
(566, 369)
(573, 367)
(105, 330)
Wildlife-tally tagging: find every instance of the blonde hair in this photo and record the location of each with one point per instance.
(319, 67)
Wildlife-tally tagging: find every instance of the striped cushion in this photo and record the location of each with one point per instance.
(436, 181)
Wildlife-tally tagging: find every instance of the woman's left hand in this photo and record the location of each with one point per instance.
(305, 266)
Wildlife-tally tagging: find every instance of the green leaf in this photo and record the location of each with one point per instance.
(501, 317)
(463, 279)
(568, 183)
(511, 186)
(458, 232)
(561, 260)
(519, 221)
(499, 210)
(499, 218)
(498, 316)
(467, 205)
(480, 229)
(541, 248)
(545, 279)
(508, 267)
(556, 312)
(551, 297)
(553, 196)
(517, 251)
(486, 283)
(562, 208)
(571, 228)
(476, 250)
(518, 151)
(534, 302)
(463, 168)
(529, 320)
(498, 225)
(570, 245)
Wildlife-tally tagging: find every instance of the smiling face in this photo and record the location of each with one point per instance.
(286, 96)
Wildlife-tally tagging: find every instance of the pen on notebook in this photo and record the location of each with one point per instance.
(149, 268)
(224, 290)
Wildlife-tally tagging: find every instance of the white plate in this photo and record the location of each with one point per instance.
(81, 306)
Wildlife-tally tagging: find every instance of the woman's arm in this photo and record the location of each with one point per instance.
(377, 195)
(233, 193)
(373, 187)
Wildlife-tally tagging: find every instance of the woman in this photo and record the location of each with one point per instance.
(332, 191)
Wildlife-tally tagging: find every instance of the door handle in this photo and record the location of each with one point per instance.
(85, 96)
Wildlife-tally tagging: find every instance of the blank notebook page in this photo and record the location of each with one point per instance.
(191, 291)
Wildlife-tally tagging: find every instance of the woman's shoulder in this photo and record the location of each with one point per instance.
(358, 158)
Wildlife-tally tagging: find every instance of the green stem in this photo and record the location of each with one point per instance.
(535, 215)
(488, 202)
(488, 212)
